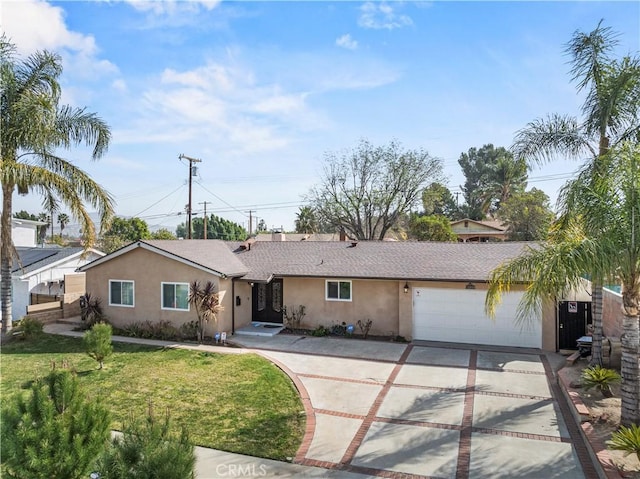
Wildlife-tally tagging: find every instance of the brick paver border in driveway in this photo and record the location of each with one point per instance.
(501, 415)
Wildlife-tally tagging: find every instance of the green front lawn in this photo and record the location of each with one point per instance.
(234, 402)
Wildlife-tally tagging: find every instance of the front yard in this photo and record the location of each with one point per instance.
(234, 402)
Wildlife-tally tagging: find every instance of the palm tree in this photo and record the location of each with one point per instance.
(63, 219)
(306, 220)
(35, 127)
(610, 116)
(206, 301)
(599, 235)
(506, 177)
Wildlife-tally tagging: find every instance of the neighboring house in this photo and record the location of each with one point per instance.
(419, 290)
(25, 232)
(38, 274)
(479, 231)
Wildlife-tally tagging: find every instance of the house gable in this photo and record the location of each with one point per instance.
(210, 256)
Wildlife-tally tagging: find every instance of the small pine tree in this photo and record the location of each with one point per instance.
(98, 342)
(148, 450)
(54, 432)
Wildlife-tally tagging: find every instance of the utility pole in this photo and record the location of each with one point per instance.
(251, 221)
(205, 203)
(191, 173)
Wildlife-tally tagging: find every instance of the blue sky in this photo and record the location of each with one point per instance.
(260, 91)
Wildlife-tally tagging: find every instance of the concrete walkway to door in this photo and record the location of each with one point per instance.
(428, 410)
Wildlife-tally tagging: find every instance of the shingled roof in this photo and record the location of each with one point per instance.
(210, 255)
(376, 259)
(262, 260)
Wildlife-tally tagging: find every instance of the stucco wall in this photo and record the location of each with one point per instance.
(243, 311)
(148, 270)
(375, 300)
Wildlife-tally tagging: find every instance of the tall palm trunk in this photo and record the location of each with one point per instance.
(596, 310)
(630, 388)
(6, 260)
(596, 298)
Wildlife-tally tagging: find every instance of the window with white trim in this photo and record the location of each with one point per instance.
(338, 290)
(175, 296)
(121, 293)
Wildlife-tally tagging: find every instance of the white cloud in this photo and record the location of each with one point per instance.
(381, 15)
(34, 25)
(170, 7)
(119, 85)
(345, 41)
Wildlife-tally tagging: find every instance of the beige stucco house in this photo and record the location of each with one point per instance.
(469, 230)
(419, 290)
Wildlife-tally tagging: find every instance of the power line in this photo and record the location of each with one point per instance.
(161, 199)
(216, 196)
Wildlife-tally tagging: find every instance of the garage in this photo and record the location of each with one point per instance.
(457, 315)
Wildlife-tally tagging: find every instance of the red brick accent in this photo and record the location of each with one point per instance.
(580, 415)
(579, 444)
(366, 424)
(310, 427)
(464, 446)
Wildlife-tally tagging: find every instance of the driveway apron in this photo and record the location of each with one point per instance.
(432, 412)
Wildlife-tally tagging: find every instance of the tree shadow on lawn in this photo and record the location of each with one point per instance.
(272, 436)
(56, 344)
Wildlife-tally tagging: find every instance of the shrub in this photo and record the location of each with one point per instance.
(163, 330)
(148, 450)
(320, 331)
(91, 309)
(626, 439)
(293, 316)
(97, 341)
(189, 330)
(339, 329)
(600, 378)
(29, 328)
(365, 326)
(54, 432)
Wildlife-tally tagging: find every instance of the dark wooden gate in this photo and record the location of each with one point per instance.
(573, 318)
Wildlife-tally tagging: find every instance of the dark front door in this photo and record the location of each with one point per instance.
(573, 318)
(267, 302)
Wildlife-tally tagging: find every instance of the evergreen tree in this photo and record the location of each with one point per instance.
(98, 342)
(56, 432)
(148, 450)
(432, 228)
(217, 228)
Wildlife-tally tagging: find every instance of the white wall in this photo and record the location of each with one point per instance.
(40, 281)
(20, 298)
(23, 235)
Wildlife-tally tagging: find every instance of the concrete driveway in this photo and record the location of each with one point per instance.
(397, 410)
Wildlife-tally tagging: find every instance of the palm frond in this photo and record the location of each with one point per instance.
(547, 271)
(611, 108)
(543, 139)
(588, 54)
(75, 126)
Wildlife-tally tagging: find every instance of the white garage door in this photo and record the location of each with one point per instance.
(457, 315)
